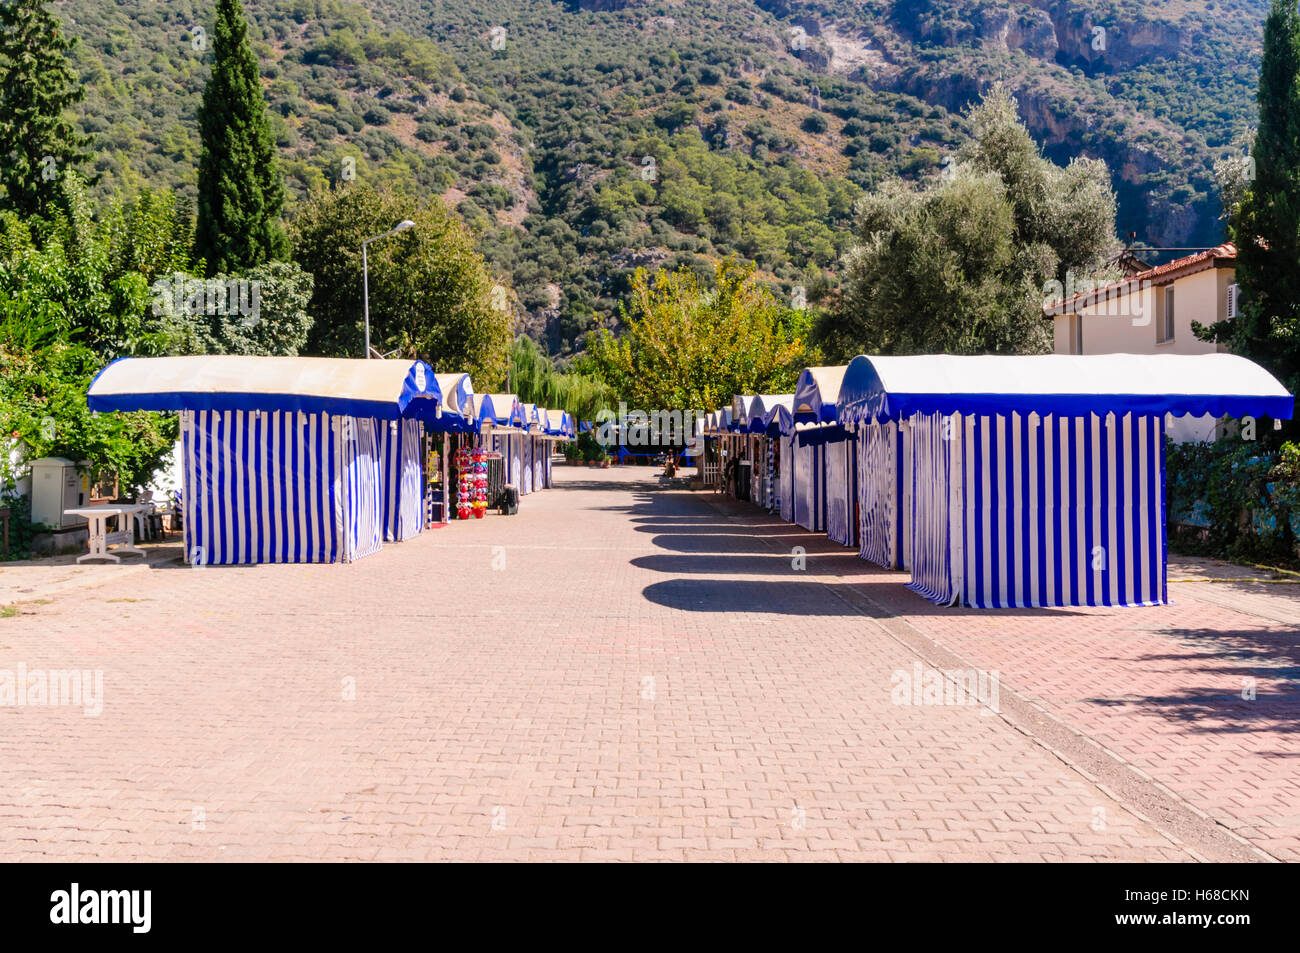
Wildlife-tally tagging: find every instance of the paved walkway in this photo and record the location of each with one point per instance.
(625, 672)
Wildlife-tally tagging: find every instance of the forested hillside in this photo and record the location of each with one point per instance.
(584, 138)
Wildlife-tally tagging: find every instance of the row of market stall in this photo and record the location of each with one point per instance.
(993, 481)
(289, 459)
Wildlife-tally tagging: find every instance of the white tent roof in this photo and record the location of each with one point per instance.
(817, 393)
(765, 410)
(229, 382)
(496, 409)
(741, 407)
(1198, 384)
(457, 393)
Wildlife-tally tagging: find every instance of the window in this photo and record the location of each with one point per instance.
(1165, 329)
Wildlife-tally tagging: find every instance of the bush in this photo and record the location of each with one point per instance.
(815, 123)
(21, 528)
(1233, 499)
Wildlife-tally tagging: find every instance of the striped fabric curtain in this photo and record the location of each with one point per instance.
(1018, 510)
(540, 452)
(401, 471)
(810, 485)
(363, 493)
(525, 465)
(787, 478)
(934, 438)
(262, 487)
(879, 482)
(839, 478)
(770, 483)
(1064, 511)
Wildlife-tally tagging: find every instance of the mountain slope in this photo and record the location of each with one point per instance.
(587, 137)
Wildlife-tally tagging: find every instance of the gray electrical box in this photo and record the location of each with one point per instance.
(56, 486)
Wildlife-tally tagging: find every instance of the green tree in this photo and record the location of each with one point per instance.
(963, 263)
(241, 192)
(261, 312)
(690, 347)
(1266, 223)
(536, 380)
(61, 269)
(151, 233)
(38, 142)
(431, 295)
(66, 310)
(1069, 210)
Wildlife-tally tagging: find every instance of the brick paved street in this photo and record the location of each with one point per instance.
(635, 673)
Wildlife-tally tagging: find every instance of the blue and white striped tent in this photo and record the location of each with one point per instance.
(742, 412)
(1031, 481)
(284, 457)
(541, 447)
(495, 414)
(401, 458)
(815, 403)
(772, 417)
(801, 480)
(559, 426)
(534, 436)
(525, 421)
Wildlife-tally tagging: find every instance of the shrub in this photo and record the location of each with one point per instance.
(1233, 499)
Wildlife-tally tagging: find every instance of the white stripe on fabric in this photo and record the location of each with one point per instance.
(1097, 487)
(259, 488)
(931, 526)
(878, 481)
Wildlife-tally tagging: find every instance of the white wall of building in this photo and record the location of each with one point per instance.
(1132, 323)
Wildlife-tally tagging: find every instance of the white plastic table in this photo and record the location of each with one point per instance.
(101, 539)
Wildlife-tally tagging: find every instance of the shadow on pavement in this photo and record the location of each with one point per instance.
(784, 598)
(753, 565)
(1267, 655)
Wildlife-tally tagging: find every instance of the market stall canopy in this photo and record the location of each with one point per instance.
(741, 408)
(354, 387)
(764, 415)
(721, 422)
(559, 423)
(456, 413)
(817, 394)
(525, 417)
(457, 394)
(780, 422)
(495, 410)
(887, 388)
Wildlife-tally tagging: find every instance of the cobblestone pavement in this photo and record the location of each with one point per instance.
(620, 672)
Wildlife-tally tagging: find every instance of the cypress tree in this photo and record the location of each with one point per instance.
(241, 192)
(38, 143)
(1266, 227)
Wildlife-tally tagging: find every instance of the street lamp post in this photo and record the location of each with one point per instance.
(365, 272)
